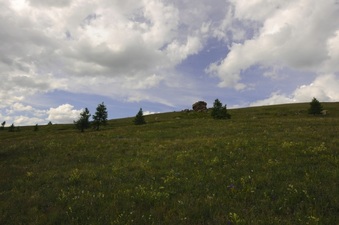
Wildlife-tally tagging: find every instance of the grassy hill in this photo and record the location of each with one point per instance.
(266, 165)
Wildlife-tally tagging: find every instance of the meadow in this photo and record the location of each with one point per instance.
(266, 165)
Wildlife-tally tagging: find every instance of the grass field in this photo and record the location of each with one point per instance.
(266, 165)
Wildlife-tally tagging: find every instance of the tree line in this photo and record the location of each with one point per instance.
(219, 111)
(100, 118)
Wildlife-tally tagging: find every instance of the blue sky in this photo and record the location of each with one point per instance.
(60, 56)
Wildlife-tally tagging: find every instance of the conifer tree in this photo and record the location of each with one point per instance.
(219, 111)
(11, 128)
(315, 107)
(36, 127)
(83, 122)
(100, 116)
(139, 118)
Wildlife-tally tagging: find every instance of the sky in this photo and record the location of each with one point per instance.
(59, 56)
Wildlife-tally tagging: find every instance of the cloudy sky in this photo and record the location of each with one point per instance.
(60, 56)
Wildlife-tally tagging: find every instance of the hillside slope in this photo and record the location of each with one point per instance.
(266, 165)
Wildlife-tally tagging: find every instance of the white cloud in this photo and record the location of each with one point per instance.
(324, 88)
(118, 49)
(27, 120)
(20, 107)
(294, 34)
(22, 115)
(65, 44)
(133, 50)
(148, 82)
(258, 10)
(63, 114)
(275, 98)
(332, 64)
(177, 52)
(149, 113)
(50, 3)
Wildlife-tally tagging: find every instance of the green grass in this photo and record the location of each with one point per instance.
(267, 165)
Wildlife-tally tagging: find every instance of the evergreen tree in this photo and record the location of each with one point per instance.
(315, 107)
(219, 111)
(100, 116)
(3, 125)
(36, 127)
(83, 122)
(11, 128)
(139, 118)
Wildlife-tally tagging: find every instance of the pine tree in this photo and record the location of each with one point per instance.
(11, 128)
(219, 111)
(36, 127)
(315, 107)
(139, 118)
(100, 116)
(83, 122)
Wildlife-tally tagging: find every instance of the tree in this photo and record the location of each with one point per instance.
(315, 107)
(83, 122)
(3, 125)
(219, 111)
(11, 128)
(139, 118)
(100, 116)
(36, 127)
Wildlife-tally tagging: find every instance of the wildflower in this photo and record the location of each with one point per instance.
(231, 186)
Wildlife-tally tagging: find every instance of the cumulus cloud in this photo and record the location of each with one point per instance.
(50, 3)
(22, 114)
(296, 34)
(53, 42)
(27, 120)
(19, 107)
(63, 114)
(324, 88)
(132, 50)
(149, 113)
